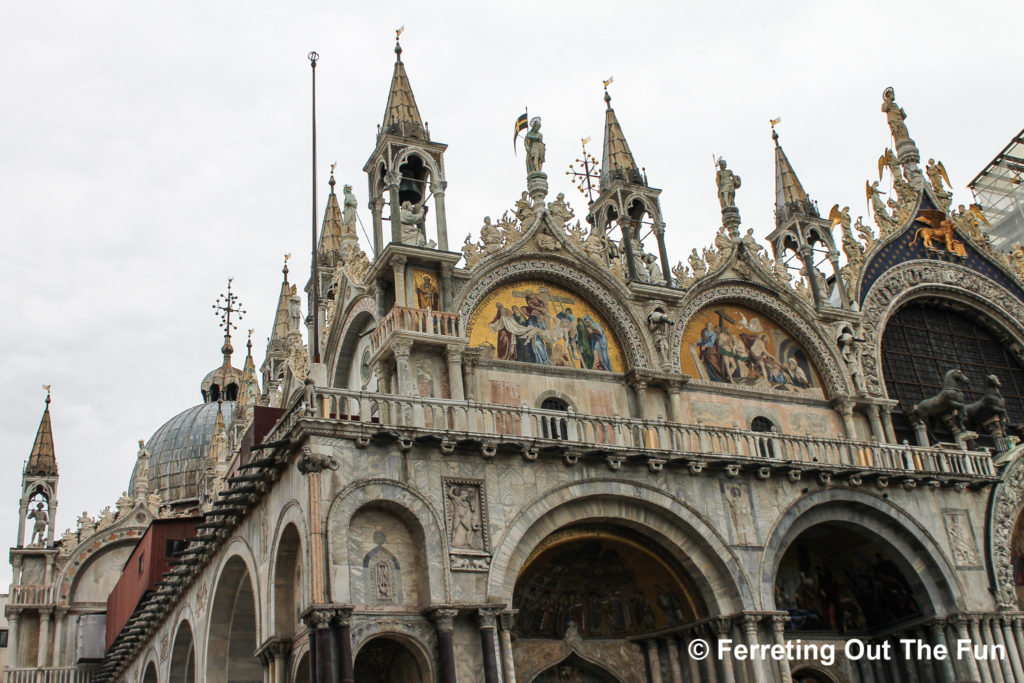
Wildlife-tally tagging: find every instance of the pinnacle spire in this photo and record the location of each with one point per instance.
(331, 230)
(42, 461)
(281, 324)
(790, 197)
(617, 162)
(401, 116)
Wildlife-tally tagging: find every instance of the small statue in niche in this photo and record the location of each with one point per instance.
(412, 218)
(42, 521)
(295, 310)
(654, 274)
(465, 517)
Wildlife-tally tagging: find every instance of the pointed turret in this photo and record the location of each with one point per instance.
(285, 333)
(402, 116)
(332, 229)
(790, 197)
(42, 462)
(617, 162)
(281, 324)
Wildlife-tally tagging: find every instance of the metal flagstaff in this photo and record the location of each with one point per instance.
(315, 290)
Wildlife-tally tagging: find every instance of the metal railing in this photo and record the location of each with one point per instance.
(554, 427)
(422, 320)
(27, 594)
(52, 675)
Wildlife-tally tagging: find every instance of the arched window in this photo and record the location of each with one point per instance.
(555, 426)
(764, 444)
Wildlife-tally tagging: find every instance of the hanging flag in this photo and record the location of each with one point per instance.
(521, 124)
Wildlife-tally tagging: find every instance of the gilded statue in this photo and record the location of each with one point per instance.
(936, 174)
(728, 183)
(940, 227)
(534, 144)
(895, 116)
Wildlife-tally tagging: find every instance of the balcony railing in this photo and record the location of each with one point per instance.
(54, 675)
(657, 438)
(422, 320)
(26, 594)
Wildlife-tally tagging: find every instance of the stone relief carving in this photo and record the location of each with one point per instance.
(961, 538)
(366, 626)
(382, 573)
(310, 462)
(465, 513)
(1009, 499)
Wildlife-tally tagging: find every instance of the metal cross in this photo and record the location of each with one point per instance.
(581, 178)
(225, 305)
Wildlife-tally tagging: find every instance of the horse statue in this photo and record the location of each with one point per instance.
(991, 405)
(949, 400)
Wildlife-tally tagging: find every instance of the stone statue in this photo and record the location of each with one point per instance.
(42, 520)
(697, 265)
(728, 183)
(936, 173)
(895, 116)
(659, 322)
(849, 348)
(638, 258)
(469, 252)
(348, 214)
(561, 212)
(534, 144)
(412, 224)
(142, 472)
(490, 237)
(883, 219)
(295, 310)
(85, 525)
(464, 515)
(654, 274)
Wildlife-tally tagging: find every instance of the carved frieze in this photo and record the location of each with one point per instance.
(465, 515)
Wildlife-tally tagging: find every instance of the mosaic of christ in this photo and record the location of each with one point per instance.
(736, 345)
(537, 322)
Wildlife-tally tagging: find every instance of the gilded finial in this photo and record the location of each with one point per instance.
(398, 46)
(285, 269)
(46, 388)
(774, 122)
(607, 97)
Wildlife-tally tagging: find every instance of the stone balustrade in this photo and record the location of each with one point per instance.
(26, 594)
(420, 320)
(657, 438)
(50, 675)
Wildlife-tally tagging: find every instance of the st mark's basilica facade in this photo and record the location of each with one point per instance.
(548, 454)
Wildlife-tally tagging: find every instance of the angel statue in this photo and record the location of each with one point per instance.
(895, 116)
(840, 217)
(936, 174)
(728, 183)
(534, 144)
(884, 221)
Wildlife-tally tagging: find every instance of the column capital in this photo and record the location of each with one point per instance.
(779, 622)
(750, 622)
(936, 625)
(343, 616)
(721, 626)
(392, 178)
(844, 406)
(488, 617)
(317, 617)
(401, 348)
(438, 187)
(454, 353)
(399, 261)
(508, 619)
(444, 618)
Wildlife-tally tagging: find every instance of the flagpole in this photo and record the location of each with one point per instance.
(315, 290)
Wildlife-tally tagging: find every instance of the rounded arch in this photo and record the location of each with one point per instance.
(555, 394)
(428, 161)
(233, 625)
(822, 352)
(665, 520)
(344, 339)
(811, 674)
(291, 515)
(392, 656)
(1007, 506)
(413, 508)
(149, 675)
(911, 547)
(913, 280)
(286, 581)
(84, 554)
(583, 277)
(183, 655)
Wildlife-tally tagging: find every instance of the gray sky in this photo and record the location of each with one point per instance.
(148, 152)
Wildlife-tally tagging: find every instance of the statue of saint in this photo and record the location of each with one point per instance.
(295, 310)
(39, 526)
(412, 224)
(534, 147)
(895, 116)
(348, 214)
(728, 183)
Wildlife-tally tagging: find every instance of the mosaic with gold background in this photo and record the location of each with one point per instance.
(533, 321)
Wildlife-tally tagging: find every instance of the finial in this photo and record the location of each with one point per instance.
(607, 97)
(46, 388)
(225, 305)
(774, 122)
(248, 344)
(313, 57)
(331, 181)
(398, 45)
(285, 269)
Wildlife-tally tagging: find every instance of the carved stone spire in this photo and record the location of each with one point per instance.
(42, 462)
(401, 116)
(332, 229)
(617, 162)
(790, 197)
(281, 324)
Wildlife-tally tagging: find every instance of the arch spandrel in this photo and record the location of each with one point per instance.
(539, 322)
(734, 344)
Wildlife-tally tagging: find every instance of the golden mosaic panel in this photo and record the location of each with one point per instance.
(534, 321)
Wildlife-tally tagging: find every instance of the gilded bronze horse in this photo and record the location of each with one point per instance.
(948, 401)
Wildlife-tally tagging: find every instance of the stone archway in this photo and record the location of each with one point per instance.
(183, 656)
(389, 658)
(287, 582)
(233, 636)
(150, 675)
(811, 675)
(575, 669)
(302, 669)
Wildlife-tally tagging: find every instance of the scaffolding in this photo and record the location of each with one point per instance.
(999, 189)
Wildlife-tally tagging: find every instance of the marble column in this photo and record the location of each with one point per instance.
(406, 387)
(877, 431)
(488, 626)
(890, 432)
(653, 660)
(867, 675)
(984, 671)
(454, 357)
(507, 622)
(446, 288)
(640, 388)
(723, 629)
(343, 622)
(377, 211)
(437, 189)
(778, 631)
(444, 622)
(673, 659)
(750, 634)
(1013, 655)
(59, 615)
(987, 637)
(845, 409)
(398, 264)
(937, 631)
(1018, 637)
(13, 660)
(391, 179)
(970, 665)
(844, 294)
(693, 666)
(469, 375)
(675, 402)
(1004, 662)
(43, 652)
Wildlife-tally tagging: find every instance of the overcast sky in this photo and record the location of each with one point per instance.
(147, 153)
